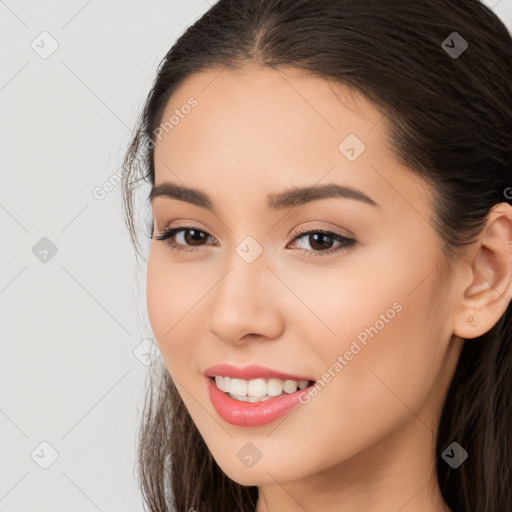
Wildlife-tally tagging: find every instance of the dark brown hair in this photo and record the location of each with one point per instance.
(450, 119)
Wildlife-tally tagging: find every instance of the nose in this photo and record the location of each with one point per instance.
(245, 303)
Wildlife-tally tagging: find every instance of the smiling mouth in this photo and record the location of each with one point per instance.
(258, 390)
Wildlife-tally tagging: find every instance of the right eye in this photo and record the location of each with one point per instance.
(196, 235)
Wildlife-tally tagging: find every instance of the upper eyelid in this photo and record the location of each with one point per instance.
(191, 224)
(306, 230)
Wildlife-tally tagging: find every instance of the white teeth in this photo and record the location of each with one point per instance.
(274, 387)
(290, 386)
(256, 390)
(250, 398)
(238, 387)
(257, 387)
(220, 382)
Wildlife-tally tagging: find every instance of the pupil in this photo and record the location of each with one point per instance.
(197, 235)
(323, 237)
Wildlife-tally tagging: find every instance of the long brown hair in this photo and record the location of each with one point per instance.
(451, 122)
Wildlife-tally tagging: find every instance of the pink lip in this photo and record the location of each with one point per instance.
(252, 371)
(252, 414)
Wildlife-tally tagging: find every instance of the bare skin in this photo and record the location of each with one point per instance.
(367, 440)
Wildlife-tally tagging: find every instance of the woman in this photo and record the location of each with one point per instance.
(329, 269)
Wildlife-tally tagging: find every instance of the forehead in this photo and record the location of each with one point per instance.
(276, 101)
(277, 127)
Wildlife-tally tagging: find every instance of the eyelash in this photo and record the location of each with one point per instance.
(346, 243)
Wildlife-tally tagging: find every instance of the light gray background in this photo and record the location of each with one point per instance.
(72, 367)
(68, 373)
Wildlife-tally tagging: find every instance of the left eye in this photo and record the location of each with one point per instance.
(317, 239)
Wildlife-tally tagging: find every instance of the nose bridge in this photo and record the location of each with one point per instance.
(241, 300)
(246, 267)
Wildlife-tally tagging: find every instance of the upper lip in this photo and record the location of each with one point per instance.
(252, 371)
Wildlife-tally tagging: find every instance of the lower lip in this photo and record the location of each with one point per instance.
(252, 414)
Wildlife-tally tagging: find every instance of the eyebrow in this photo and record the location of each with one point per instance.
(291, 198)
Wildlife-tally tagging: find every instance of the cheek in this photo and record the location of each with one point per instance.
(171, 295)
(179, 301)
(375, 340)
(385, 359)
(158, 287)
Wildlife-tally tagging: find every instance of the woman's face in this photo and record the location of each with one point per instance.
(368, 319)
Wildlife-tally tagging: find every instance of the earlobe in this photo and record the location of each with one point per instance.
(487, 291)
(472, 321)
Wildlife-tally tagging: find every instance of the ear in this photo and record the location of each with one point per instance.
(486, 276)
